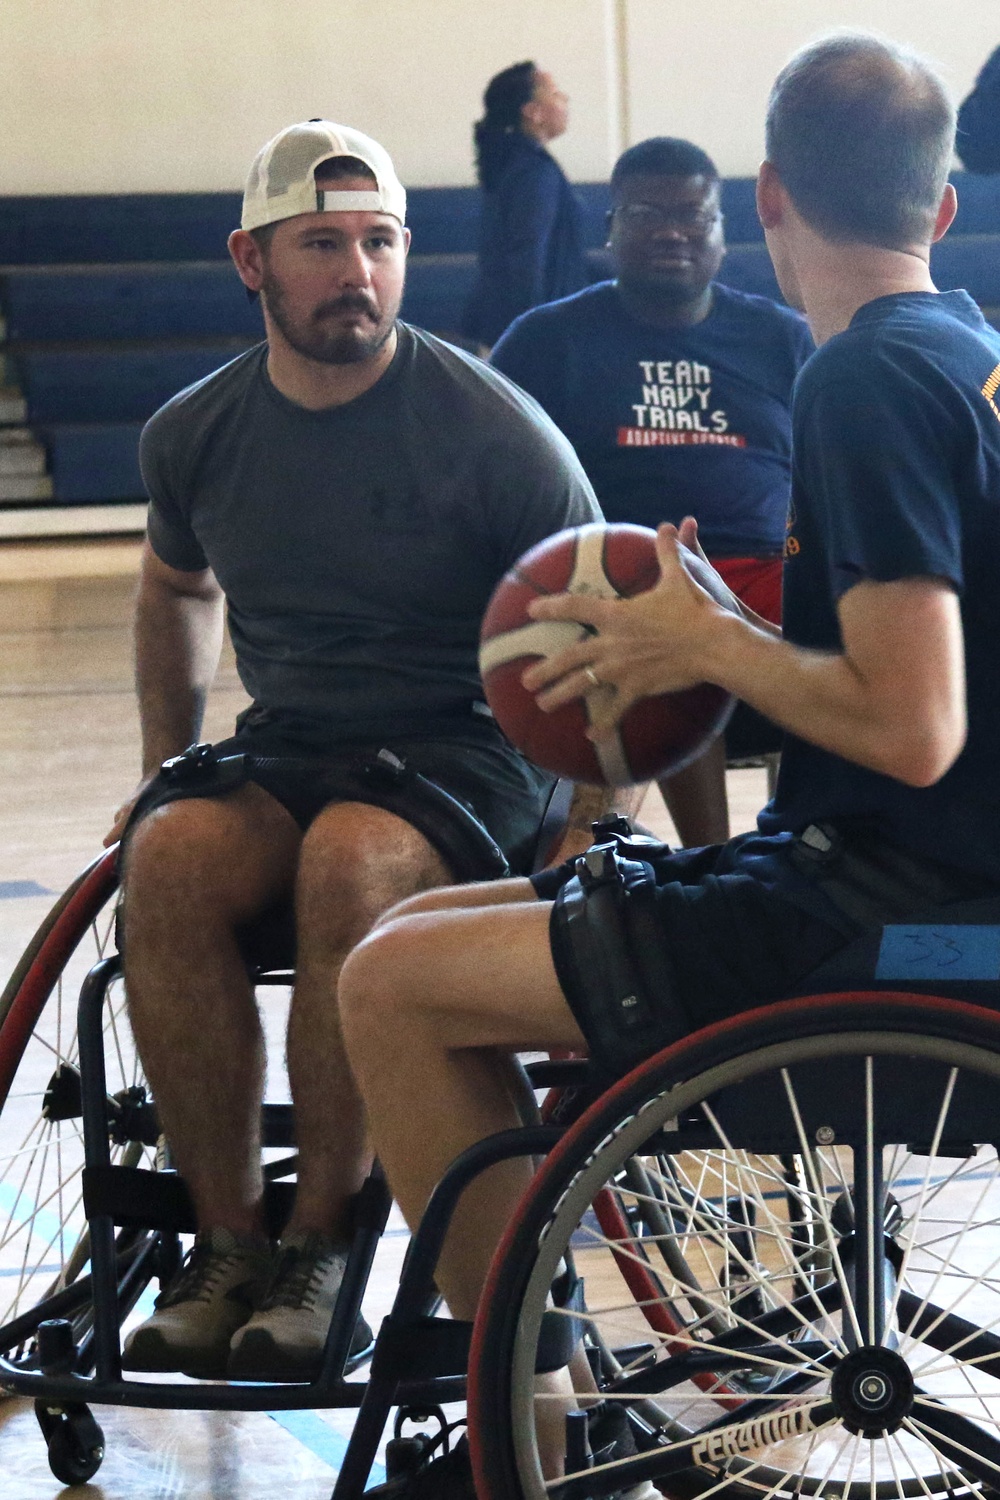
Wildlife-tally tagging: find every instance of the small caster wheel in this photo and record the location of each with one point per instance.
(75, 1441)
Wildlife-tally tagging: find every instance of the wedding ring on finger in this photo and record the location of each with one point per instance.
(591, 676)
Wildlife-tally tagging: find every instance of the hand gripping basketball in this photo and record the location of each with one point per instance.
(657, 735)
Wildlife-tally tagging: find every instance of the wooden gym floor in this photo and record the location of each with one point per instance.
(68, 756)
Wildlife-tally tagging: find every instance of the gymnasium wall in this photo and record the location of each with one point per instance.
(108, 96)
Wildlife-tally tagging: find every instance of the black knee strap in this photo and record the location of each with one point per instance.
(196, 772)
(612, 960)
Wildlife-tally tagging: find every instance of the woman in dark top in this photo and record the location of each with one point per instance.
(530, 248)
(978, 139)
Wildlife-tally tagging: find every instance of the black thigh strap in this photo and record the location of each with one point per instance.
(384, 780)
(612, 962)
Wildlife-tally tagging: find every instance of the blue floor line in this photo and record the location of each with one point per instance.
(16, 890)
(316, 1435)
(46, 1222)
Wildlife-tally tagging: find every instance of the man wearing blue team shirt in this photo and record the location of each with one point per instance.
(676, 393)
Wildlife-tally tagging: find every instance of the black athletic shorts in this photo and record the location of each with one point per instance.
(468, 757)
(723, 929)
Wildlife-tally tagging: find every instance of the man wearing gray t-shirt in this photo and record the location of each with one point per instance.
(350, 492)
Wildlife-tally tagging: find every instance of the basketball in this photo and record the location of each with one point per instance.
(656, 736)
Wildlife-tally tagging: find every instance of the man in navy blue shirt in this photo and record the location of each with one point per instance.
(885, 681)
(676, 393)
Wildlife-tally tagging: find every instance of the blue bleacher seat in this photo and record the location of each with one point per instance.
(978, 207)
(116, 227)
(96, 228)
(94, 461)
(443, 221)
(114, 303)
(969, 261)
(112, 384)
(978, 204)
(153, 301)
(748, 267)
(739, 205)
(436, 290)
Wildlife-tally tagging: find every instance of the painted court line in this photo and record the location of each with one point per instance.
(16, 890)
(313, 1433)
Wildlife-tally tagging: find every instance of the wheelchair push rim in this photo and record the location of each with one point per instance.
(835, 1333)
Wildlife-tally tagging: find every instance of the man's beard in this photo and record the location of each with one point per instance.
(316, 339)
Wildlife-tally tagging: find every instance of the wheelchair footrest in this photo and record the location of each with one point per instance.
(426, 1348)
(134, 1198)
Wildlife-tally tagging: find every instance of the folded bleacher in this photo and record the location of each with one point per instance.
(111, 304)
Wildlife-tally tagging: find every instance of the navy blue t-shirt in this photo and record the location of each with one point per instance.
(670, 422)
(896, 474)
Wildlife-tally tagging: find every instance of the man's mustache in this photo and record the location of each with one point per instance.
(349, 302)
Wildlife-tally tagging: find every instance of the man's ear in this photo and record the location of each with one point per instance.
(946, 213)
(247, 259)
(772, 200)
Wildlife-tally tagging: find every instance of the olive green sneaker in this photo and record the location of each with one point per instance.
(213, 1294)
(286, 1337)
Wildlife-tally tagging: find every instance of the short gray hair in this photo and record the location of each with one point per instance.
(861, 133)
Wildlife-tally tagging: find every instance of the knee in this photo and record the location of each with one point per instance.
(356, 863)
(182, 864)
(167, 852)
(373, 993)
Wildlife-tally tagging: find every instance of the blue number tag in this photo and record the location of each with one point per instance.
(932, 952)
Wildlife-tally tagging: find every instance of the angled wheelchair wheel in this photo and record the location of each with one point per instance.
(786, 1226)
(44, 1248)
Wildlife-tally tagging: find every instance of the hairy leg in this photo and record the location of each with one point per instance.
(696, 798)
(432, 1006)
(196, 870)
(356, 861)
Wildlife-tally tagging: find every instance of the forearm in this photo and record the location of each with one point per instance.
(890, 698)
(824, 698)
(177, 643)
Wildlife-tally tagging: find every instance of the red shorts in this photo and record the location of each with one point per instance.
(756, 581)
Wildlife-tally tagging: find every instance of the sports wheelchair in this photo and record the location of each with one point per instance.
(776, 1241)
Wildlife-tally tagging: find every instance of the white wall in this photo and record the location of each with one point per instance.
(133, 95)
(705, 72)
(161, 95)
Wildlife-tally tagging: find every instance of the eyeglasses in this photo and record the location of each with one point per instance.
(636, 218)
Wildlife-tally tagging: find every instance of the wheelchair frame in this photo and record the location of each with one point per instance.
(726, 1358)
(419, 1361)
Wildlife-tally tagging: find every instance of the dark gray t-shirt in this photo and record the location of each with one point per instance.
(357, 546)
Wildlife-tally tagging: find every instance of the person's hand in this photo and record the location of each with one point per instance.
(122, 815)
(652, 643)
(688, 532)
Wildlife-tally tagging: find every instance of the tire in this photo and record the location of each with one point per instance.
(43, 1237)
(759, 1365)
(74, 1440)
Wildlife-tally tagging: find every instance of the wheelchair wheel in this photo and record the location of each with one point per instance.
(44, 1250)
(810, 1195)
